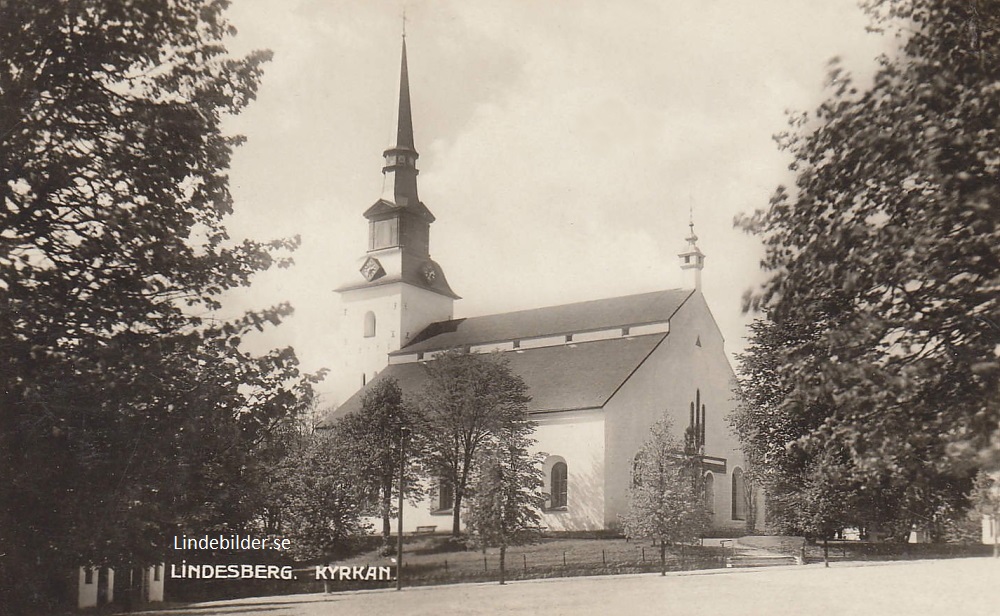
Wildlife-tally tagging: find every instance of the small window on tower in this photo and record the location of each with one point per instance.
(369, 324)
(687, 259)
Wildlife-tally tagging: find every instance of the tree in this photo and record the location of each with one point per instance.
(468, 402)
(507, 499)
(128, 411)
(986, 502)
(884, 268)
(666, 500)
(371, 440)
(322, 498)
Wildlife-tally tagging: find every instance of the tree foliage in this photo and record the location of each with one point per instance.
(507, 499)
(880, 349)
(372, 439)
(667, 497)
(469, 401)
(128, 412)
(321, 497)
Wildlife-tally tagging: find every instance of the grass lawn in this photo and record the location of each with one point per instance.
(435, 560)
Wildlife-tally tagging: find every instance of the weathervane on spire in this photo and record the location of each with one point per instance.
(404, 21)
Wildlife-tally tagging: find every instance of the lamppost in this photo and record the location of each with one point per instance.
(399, 529)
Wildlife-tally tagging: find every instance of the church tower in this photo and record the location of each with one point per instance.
(398, 289)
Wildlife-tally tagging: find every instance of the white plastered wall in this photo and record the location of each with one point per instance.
(86, 595)
(154, 583)
(669, 379)
(577, 437)
(400, 310)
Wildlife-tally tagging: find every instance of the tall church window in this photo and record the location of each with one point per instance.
(739, 495)
(710, 493)
(369, 324)
(446, 495)
(558, 485)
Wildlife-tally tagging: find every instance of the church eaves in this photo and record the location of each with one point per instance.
(566, 319)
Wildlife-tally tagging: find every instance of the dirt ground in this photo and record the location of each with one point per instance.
(965, 586)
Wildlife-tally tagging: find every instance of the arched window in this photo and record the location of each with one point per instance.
(739, 495)
(710, 493)
(446, 495)
(369, 324)
(559, 485)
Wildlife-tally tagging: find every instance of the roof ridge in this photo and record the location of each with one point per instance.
(566, 305)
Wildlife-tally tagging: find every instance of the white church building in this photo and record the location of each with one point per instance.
(599, 373)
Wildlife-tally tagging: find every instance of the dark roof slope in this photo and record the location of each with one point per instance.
(564, 377)
(598, 314)
(413, 274)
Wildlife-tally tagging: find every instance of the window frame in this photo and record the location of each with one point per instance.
(559, 486)
(739, 504)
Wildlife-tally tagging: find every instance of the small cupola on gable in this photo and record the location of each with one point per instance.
(692, 259)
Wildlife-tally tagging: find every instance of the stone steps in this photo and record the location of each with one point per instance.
(761, 560)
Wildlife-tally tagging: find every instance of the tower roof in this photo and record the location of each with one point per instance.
(404, 118)
(400, 170)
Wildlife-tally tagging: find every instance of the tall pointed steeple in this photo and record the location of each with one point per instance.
(398, 223)
(400, 170)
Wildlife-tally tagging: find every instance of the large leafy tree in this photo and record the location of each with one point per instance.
(885, 268)
(507, 500)
(469, 401)
(373, 446)
(320, 496)
(128, 411)
(667, 499)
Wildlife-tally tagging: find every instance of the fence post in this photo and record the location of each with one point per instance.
(485, 566)
(446, 565)
(525, 561)
(643, 554)
(604, 558)
(564, 559)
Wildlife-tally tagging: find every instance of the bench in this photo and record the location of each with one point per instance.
(425, 530)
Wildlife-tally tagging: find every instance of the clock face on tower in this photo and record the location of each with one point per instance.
(429, 272)
(372, 269)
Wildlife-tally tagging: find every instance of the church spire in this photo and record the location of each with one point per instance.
(400, 170)
(692, 259)
(404, 119)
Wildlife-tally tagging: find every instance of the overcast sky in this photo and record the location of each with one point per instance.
(561, 143)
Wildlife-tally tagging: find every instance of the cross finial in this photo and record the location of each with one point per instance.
(404, 21)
